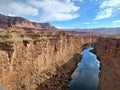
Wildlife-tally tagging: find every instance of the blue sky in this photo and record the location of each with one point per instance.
(66, 13)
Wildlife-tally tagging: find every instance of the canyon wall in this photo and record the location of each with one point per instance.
(37, 60)
(108, 51)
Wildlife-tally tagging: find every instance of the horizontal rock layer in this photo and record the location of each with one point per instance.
(33, 60)
(108, 51)
(15, 22)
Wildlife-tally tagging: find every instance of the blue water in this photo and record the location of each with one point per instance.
(85, 77)
(2, 88)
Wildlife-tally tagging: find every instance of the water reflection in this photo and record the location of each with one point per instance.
(85, 77)
(2, 88)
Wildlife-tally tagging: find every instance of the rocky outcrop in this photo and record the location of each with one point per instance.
(13, 22)
(37, 60)
(108, 51)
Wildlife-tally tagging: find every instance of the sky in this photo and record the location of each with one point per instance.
(67, 14)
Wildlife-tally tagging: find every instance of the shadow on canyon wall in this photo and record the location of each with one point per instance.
(61, 78)
(88, 45)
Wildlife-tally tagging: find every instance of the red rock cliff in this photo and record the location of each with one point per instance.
(38, 60)
(108, 51)
(7, 21)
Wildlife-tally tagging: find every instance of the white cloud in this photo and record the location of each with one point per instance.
(110, 3)
(77, 0)
(86, 23)
(116, 21)
(93, 0)
(89, 23)
(17, 8)
(45, 10)
(61, 27)
(58, 16)
(94, 22)
(55, 10)
(107, 9)
(106, 13)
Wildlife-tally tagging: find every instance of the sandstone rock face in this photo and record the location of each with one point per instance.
(7, 21)
(108, 50)
(38, 60)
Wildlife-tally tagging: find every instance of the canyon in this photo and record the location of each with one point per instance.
(38, 56)
(35, 60)
(45, 60)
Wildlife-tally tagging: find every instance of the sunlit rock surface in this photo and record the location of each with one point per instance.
(108, 51)
(38, 60)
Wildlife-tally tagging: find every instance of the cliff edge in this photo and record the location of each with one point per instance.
(108, 51)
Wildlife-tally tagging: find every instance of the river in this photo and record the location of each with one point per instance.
(86, 75)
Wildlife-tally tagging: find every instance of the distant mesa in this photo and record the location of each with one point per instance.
(13, 22)
(19, 23)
